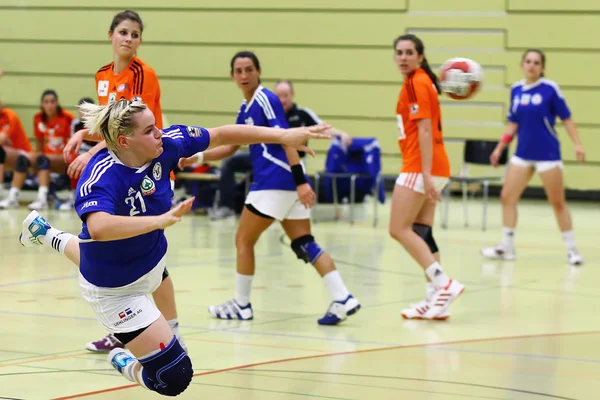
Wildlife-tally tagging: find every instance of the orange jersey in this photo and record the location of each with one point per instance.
(55, 133)
(11, 126)
(137, 80)
(419, 99)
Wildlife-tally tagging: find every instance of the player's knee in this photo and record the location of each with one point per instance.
(22, 164)
(42, 162)
(2, 155)
(426, 233)
(306, 248)
(168, 372)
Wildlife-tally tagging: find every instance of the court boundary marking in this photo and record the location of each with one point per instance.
(284, 360)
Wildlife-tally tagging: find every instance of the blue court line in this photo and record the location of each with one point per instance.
(351, 341)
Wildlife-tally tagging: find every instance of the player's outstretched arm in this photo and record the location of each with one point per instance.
(246, 134)
(105, 227)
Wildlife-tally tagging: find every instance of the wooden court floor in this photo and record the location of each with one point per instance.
(522, 330)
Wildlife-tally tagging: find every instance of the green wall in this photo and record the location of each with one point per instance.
(338, 53)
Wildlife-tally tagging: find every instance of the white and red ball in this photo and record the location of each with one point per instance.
(461, 78)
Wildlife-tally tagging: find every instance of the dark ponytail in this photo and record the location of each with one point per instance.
(421, 51)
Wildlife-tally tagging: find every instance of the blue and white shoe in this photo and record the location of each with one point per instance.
(120, 358)
(34, 227)
(339, 311)
(232, 310)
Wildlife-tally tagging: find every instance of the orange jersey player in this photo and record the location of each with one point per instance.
(418, 100)
(53, 134)
(425, 172)
(137, 80)
(13, 141)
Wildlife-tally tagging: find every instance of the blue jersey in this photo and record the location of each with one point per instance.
(535, 108)
(270, 167)
(109, 186)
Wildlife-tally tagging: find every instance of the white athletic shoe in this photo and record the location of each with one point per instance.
(231, 310)
(9, 203)
(417, 311)
(499, 252)
(442, 298)
(338, 311)
(575, 258)
(38, 205)
(34, 227)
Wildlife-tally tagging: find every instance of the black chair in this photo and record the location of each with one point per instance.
(475, 152)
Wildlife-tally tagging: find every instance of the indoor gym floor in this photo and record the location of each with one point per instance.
(521, 330)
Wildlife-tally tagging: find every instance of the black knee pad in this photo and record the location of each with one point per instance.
(22, 164)
(306, 248)
(2, 155)
(42, 162)
(425, 231)
(168, 372)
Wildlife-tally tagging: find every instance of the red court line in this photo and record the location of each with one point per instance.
(114, 389)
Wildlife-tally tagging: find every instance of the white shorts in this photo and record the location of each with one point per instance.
(414, 181)
(127, 308)
(540, 166)
(279, 204)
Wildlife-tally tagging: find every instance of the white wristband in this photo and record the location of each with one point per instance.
(199, 158)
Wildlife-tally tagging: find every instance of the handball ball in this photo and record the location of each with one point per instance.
(461, 78)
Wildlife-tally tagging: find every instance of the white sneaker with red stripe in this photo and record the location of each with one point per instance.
(442, 298)
(416, 311)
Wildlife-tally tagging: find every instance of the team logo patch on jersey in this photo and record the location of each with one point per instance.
(157, 171)
(414, 109)
(249, 121)
(525, 99)
(112, 97)
(194, 132)
(122, 87)
(536, 99)
(147, 186)
(102, 88)
(41, 127)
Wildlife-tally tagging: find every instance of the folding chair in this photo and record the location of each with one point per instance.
(475, 152)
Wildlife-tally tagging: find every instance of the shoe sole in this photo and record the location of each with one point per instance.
(438, 318)
(498, 257)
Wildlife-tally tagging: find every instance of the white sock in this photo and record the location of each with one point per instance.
(128, 371)
(43, 193)
(429, 291)
(131, 375)
(57, 239)
(569, 238)
(13, 194)
(243, 286)
(335, 285)
(437, 275)
(508, 237)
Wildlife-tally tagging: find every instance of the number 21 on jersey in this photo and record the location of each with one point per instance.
(401, 134)
(131, 200)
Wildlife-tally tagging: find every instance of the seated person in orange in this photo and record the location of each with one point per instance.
(52, 128)
(13, 141)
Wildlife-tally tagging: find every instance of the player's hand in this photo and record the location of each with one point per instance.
(297, 137)
(77, 165)
(187, 162)
(5, 140)
(495, 157)
(306, 195)
(74, 143)
(174, 215)
(433, 195)
(579, 153)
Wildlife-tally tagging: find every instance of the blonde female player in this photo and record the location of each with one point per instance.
(126, 77)
(123, 200)
(424, 173)
(536, 102)
(281, 192)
